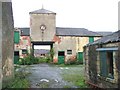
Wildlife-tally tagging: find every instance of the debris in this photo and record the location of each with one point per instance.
(44, 80)
(61, 68)
(56, 80)
(66, 68)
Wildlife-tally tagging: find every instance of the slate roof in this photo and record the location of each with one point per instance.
(114, 37)
(25, 31)
(41, 51)
(63, 31)
(104, 33)
(75, 32)
(42, 11)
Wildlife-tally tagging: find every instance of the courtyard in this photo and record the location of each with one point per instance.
(52, 76)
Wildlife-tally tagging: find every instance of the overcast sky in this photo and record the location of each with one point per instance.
(94, 15)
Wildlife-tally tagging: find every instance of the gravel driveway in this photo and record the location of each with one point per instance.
(49, 76)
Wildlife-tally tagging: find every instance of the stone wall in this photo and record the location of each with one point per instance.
(82, 41)
(0, 45)
(6, 41)
(49, 20)
(74, 43)
(65, 43)
(92, 67)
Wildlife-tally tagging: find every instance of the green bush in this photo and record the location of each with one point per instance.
(28, 60)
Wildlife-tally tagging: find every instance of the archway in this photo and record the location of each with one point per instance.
(41, 48)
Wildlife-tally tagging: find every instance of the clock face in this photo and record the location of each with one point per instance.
(42, 27)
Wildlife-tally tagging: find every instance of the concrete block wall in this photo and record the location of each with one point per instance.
(6, 42)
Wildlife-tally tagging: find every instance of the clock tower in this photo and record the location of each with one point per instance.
(42, 25)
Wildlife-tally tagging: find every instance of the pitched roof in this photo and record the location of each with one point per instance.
(25, 31)
(42, 11)
(60, 31)
(104, 33)
(41, 51)
(114, 37)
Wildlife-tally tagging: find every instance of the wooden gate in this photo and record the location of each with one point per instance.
(80, 57)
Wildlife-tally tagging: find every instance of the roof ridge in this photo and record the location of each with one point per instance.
(72, 27)
(41, 11)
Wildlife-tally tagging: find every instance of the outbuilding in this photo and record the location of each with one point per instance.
(102, 62)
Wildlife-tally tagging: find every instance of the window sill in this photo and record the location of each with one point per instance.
(110, 80)
(106, 79)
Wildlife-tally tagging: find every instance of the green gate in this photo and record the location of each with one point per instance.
(80, 57)
(61, 57)
(16, 57)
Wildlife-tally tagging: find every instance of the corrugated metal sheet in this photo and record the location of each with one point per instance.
(114, 37)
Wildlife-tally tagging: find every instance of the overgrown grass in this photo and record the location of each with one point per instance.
(76, 79)
(67, 65)
(19, 80)
(19, 83)
(75, 75)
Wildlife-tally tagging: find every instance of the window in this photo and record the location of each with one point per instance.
(91, 39)
(69, 51)
(24, 51)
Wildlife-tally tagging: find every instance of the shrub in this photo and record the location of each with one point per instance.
(28, 60)
(71, 60)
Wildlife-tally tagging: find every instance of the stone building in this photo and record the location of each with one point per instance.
(6, 42)
(102, 62)
(22, 43)
(67, 42)
(70, 42)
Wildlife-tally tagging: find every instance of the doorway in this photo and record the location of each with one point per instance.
(61, 57)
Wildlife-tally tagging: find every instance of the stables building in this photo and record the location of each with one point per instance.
(66, 42)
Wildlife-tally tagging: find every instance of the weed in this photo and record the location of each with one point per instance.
(75, 76)
(19, 80)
